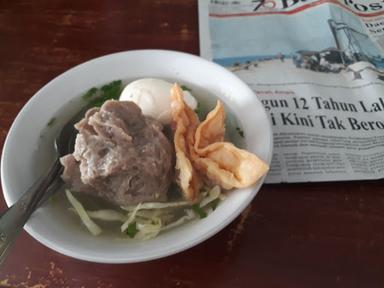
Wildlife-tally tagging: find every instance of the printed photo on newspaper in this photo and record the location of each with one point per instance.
(318, 68)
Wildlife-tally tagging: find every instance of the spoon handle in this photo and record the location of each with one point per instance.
(13, 219)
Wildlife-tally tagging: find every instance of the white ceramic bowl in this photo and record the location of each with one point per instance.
(26, 155)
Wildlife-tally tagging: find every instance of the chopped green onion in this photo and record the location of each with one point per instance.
(132, 230)
(107, 92)
(199, 211)
(240, 131)
(214, 203)
(90, 93)
(112, 90)
(51, 122)
(185, 88)
(199, 111)
(98, 102)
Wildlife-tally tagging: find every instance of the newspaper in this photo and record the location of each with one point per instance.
(317, 67)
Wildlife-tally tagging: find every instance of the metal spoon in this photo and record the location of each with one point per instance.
(13, 219)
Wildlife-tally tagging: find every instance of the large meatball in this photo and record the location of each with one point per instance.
(120, 155)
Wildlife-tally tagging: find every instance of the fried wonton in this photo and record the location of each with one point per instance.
(230, 167)
(185, 122)
(222, 162)
(200, 149)
(212, 129)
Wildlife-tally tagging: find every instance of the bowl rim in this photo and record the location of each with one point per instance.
(165, 252)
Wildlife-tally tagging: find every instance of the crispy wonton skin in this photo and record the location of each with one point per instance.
(230, 167)
(222, 162)
(212, 129)
(185, 122)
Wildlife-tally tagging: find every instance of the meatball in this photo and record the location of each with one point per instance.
(120, 155)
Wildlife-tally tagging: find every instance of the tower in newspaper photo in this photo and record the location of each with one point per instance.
(327, 39)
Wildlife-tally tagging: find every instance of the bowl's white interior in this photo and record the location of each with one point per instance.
(62, 232)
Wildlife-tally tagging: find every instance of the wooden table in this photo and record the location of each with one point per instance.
(307, 235)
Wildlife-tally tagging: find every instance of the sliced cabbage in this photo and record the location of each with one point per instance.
(107, 215)
(148, 230)
(164, 214)
(189, 215)
(130, 219)
(149, 218)
(213, 194)
(87, 221)
(157, 205)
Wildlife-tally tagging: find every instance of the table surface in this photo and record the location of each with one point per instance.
(292, 235)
